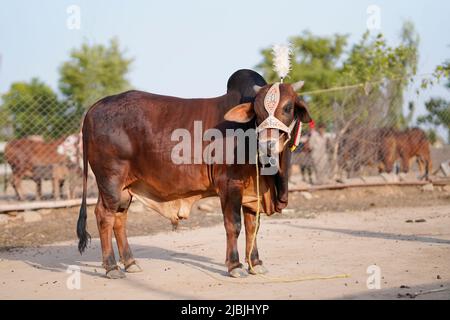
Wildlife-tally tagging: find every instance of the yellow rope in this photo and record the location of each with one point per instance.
(278, 279)
(332, 89)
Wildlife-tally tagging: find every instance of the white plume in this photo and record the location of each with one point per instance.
(281, 60)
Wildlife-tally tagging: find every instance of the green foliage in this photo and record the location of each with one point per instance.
(315, 60)
(441, 71)
(94, 72)
(438, 114)
(33, 109)
(326, 62)
(438, 109)
(373, 60)
(432, 136)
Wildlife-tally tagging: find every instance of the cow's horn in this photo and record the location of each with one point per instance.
(256, 88)
(298, 85)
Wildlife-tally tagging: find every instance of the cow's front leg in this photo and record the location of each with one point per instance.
(16, 182)
(56, 189)
(250, 227)
(38, 189)
(231, 201)
(282, 178)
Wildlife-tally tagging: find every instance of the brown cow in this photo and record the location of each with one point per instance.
(414, 143)
(37, 160)
(127, 140)
(382, 147)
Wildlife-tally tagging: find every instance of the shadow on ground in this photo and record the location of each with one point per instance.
(58, 258)
(373, 234)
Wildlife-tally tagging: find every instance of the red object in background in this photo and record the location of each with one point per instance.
(312, 124)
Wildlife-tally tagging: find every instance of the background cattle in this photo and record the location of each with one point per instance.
(35, 159)
(414, 143)
(382, 148)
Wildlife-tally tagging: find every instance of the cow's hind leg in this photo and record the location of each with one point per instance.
(110, 218)
(16, 182)
(126, 256)
(250, 228)
(105, 222)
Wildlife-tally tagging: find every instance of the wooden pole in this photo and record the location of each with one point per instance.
(357, 185)
(36, 205)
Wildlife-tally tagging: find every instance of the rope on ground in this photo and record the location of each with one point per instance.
(267, 279)
(278, 279)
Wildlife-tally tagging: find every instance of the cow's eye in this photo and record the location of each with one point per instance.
(288, 108)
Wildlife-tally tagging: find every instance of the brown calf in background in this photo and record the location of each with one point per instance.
(414, 143)
(37, 160)
(382, 147)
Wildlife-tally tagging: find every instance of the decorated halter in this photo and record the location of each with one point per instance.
(271, 101)
(282, 66)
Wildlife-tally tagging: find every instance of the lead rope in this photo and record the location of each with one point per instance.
(278, 279)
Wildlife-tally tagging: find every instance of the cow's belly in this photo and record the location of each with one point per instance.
(174, 208)
(165, 179)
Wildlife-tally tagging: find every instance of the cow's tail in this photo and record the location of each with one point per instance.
(83, 235)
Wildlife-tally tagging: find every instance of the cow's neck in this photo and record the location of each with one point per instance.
(230, 100)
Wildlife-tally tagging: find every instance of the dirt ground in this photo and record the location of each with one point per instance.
(59, 224)
(412, 257)
(403, 231)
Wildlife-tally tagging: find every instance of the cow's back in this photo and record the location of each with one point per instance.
(135, 128)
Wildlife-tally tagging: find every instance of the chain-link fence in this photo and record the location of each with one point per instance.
(363, 134)
(40, 149)
(356, 133)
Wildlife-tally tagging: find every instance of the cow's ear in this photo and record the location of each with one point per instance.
(241, 113)
(301, 110)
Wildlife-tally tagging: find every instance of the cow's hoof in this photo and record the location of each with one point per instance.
(115, 274)
(258, 269)
(238, 273)
(133, 268)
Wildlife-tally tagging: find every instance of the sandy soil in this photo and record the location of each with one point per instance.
(189, 264)
(59, 224)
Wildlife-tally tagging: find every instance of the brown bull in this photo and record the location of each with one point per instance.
(403, 145)
(382, 147)
(36, 160)
(414, 143)
(127, 141)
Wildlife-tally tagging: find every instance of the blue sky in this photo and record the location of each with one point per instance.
(189, 48)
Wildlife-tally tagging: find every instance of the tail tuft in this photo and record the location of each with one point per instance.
(83, 236)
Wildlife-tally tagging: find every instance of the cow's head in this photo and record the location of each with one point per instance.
(278, 109)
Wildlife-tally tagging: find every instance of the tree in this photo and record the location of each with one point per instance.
(386, 71)
(94, 72)
(326, 62)
(33, 109)
(314, 59)
(438, 109)
(373, 73)
(438, 114)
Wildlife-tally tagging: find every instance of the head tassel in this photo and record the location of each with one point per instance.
(281, 60)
